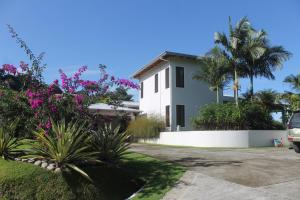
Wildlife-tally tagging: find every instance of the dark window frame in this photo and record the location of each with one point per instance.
(180, 115)
(180, 77)
(142, 90)
(167, 77)
(167, 116)
(156, 83)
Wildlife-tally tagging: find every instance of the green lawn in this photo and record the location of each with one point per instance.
(159, 176)
(26, 181)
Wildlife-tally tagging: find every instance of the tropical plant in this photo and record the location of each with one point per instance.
(294, 81)
(67, 145)
(110, 143)
(213, 70)
(146, 127)
(233, 45)
(261, 59)
(8, 143)
(228, 116)
(269, 99)
(291, 99)
(292, 102)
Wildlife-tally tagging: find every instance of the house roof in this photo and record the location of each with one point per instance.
(162, 58)
(107, 107)
(130, 104)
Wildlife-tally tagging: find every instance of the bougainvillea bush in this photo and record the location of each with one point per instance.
(65, 98)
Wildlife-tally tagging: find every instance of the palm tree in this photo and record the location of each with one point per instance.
(213, 70)
(294, 81)
(233, 45)
(260, 57)
(292, 99)
(269, 99)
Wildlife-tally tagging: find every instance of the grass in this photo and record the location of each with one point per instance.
(25, 181)
(159, 177)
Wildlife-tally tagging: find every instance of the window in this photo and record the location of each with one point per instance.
(180, 115)
(167, 78)
(180, 77)
(142, 90)
(167, 116)
(295, 120)
(156, 83)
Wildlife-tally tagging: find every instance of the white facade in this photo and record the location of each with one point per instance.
(192, 96)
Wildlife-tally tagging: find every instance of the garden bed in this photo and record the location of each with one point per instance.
(25, 181)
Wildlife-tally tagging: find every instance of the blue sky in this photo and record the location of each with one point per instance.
(126, 34)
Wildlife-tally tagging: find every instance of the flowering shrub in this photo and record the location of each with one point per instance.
(73, 101)
(10, 69)
(67, 98)
(17, 78)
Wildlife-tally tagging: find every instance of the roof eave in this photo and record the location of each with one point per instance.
(162, 57)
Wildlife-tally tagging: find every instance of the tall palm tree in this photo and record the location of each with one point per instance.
(214, 70)
(293, 80)
(261, 59)
(233, 45)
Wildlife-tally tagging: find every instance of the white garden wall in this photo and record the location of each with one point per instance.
(235, 139)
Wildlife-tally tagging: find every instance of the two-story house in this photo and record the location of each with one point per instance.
(167, 88)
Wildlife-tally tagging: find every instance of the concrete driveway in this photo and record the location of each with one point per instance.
(219, 174)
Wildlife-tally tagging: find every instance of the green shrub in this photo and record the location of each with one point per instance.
(8, 143)
(15, 105)
(247, 116)
(21, 181)
(67, 145)
(110, 143)
(146, 127)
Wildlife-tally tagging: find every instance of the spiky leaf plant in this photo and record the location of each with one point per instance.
(67, 145)
(110, 143)
(8, 143)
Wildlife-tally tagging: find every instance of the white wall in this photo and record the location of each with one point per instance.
(194, 94)
(154, 103)
(235, 139)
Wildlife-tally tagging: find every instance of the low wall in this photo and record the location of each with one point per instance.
(236, 139)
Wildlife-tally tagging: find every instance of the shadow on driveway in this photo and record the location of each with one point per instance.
(202, 162)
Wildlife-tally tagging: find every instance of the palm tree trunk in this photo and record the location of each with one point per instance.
(218, 100)
(251, 84)
(236, 87)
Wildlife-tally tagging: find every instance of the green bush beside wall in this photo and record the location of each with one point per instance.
(228, 116)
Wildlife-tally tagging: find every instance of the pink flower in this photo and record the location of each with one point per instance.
(53, 108)
(79, 99)
(35, 103)
(55, 82)
(48, 124)
(23, 66)
(9, 69)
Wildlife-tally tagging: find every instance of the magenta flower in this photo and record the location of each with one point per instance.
(78, 99)
(9, 69)
(23, 66)
(48, 124)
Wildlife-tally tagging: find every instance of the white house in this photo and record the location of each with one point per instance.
(169, 90)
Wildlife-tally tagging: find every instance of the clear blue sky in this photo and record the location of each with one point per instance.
(126, 34)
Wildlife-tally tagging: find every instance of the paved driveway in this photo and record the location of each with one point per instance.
(219, 174)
